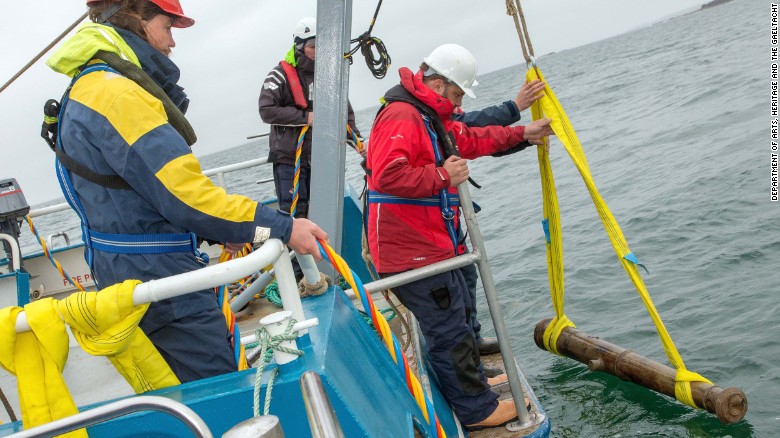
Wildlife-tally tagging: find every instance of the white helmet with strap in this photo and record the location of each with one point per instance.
(305, 29)
(455, 63)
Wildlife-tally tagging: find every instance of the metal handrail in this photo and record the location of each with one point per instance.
(216, 275)
(420, 273)
(322, 418)
(489, 286)
(119, 408)
(15, 259)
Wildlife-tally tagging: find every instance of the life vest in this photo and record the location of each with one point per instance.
(295, 85)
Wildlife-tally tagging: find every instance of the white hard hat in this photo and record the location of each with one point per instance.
(455, 63)
(305, 29)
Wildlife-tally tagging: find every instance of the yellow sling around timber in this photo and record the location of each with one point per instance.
(37, 359)
(105, 323)
(549, 106)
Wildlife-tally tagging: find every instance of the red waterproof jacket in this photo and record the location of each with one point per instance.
(401, 162)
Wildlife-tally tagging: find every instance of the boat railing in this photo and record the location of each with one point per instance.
(420, 273)
(322, 418)
(120, 408)
(14, 245)
(222, 273)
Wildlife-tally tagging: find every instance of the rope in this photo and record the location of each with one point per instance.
(515, 10)
(53, 261)
(8, 408)
(306, 289)
(407, 329)
(42, 52)
(379, 63)
(268, 344)
(355, 139)
(272, 293)
(297, 177)
(549, 106)
(390, 341)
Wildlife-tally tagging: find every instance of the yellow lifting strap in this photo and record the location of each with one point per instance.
(104, 323)
(549, 106)
(37, 359)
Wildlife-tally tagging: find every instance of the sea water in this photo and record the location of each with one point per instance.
(674, 120)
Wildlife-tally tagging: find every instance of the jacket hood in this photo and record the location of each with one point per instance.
(81, 47)
(414, 85)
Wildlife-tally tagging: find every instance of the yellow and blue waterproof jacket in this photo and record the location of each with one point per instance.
(112, 126)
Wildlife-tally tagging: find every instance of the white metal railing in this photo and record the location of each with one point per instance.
(217, 275)
(14, 251)
(120, 408)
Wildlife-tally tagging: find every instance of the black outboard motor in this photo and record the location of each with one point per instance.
(13, 208)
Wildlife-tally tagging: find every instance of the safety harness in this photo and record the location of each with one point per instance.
(443, 147)
(96, 240)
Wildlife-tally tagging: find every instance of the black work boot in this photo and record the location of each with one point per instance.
(488, 346)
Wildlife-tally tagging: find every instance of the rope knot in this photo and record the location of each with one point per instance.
(268, 344)
(306, 289)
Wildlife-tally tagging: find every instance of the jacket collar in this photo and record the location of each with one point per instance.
(414, 85)
(158, 66)
(92, 37)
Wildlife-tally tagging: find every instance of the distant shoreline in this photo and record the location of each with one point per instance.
(714, 3)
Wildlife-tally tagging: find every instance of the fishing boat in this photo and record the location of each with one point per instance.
(353, 378)
(338, 368)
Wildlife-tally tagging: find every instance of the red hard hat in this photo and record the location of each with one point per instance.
(172, 7)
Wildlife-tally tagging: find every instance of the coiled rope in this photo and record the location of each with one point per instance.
(549, 106)
(378, 64)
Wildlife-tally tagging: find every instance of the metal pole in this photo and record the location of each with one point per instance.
(322, 418)
(43, 52)
(486, 276)
(331, 80)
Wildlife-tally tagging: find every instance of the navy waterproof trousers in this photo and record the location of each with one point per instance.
(284, 178)
(442, 306)
(196, 346)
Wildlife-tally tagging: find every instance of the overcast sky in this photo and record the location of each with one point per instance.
(227, 54)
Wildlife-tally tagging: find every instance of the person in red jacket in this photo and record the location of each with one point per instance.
(413, 169)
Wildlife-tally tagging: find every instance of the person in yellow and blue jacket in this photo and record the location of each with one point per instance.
(125, 165)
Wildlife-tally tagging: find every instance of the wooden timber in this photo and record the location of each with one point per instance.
(729, 404)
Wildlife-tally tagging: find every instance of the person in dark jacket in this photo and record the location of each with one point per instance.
(503, 114)
(286, 104)
(413, 219)
(125, 164)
